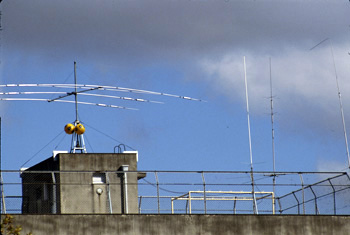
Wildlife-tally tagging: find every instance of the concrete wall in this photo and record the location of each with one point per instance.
(78, 193)
(73, 190)
(183, 224)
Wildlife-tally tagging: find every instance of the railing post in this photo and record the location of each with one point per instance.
(316, 208)
(298, 203)
(172, 206)
(158, 200)
(205, 195)
(334, 202)
(273, 203)
(280, 205)
(190, 203)
(140, 201)
(186, 206)
(302, 192)
(234, 205)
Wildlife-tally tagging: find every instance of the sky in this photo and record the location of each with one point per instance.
(190, 48)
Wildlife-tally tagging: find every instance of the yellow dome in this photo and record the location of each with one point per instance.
(79, 129)
(69, 128)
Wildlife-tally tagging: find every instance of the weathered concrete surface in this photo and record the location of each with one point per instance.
(182, 224)
(72, 190)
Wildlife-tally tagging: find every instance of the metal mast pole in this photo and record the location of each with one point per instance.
(2, 182)
(255, 209)
(341, 107)
(273, 135)
(75, 94)
(78, 142)
(340, 99)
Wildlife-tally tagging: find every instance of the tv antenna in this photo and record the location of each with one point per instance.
(76, 128)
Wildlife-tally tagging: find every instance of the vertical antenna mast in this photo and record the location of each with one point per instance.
(78, 143)
(75, 94)
(340, 99)
(341, 107)
(272, 135)
(255, 209)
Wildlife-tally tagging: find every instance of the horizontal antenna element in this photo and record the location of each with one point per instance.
(102, 88)
(69, 90)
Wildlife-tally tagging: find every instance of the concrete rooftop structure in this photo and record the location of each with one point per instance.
(82, 183)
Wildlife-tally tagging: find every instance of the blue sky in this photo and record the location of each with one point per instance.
(189, 48)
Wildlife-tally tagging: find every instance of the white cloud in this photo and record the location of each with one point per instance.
(304, 83)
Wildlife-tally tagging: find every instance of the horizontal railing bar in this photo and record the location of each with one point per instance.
(209, 172)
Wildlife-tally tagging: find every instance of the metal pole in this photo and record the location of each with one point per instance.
(316, 208)
(172, 206)
(273, 204)
(280, 205)
(273, 138)
(140, 201)
(334, 201)
(190, 202)
(341, 108)
(54, 194)
(125, 176)
(340, 99)
(234, 205)
(186, 206)
(75, 93)
(302, 192)
(1, 179)
(155, 173)
(2, 196)
(205, 194)
(109, 194)
(255, 209)
(298, 203)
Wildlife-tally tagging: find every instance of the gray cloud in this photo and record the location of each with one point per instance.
(171, 30)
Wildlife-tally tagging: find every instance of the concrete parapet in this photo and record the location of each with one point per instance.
(182, 224)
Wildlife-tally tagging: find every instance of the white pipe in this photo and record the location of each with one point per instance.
(126, 199)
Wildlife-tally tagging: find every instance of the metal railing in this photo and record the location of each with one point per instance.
(177, 192)
(310, 199)
(214, 196)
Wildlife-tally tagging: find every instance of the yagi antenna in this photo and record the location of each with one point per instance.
(76, 128)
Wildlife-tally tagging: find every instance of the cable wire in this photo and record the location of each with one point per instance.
(42, 149)
(87, 140)
(163, 189)
(108, 136)
(59, 142)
